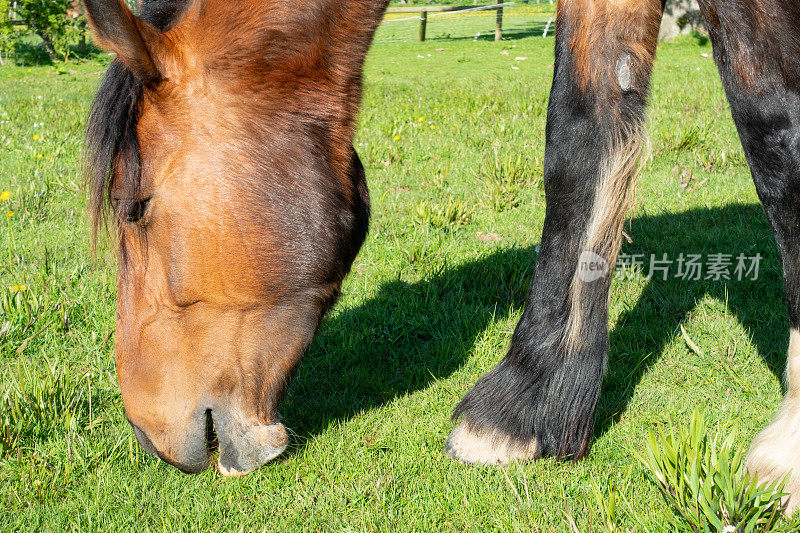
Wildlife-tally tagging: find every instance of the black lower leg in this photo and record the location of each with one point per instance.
(540, 399)
(758, 56)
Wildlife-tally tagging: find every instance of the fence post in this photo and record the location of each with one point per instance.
(498, 28)
(423, 22)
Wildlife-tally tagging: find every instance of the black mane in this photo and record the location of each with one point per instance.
(111, 133)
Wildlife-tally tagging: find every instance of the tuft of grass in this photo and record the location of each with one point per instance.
(706, 484)
(36, 403)
(504, 176)
(606, 513)
(451, 214)
(687, 138)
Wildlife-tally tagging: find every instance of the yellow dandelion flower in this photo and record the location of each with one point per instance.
(421, 119)
(29, 70)
(396, 137)
(36, 137)
(9, 214)
(5, 195)
(22, 288)
(39, 156)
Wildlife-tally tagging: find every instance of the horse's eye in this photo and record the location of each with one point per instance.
(131, 211)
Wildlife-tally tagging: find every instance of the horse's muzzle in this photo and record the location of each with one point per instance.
(243, 445)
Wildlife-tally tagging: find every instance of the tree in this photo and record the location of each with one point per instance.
(49, 20)
(8, 34)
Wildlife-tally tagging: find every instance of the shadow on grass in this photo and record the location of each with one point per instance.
(403, 338)
(640, 334)
(409, 335)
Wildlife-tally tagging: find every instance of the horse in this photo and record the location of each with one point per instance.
(220, 144)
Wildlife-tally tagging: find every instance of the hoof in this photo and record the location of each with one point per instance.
(775, 452)
(471, 446)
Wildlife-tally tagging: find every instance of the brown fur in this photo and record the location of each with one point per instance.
(254, 194)
(762, 43)
(602, 31)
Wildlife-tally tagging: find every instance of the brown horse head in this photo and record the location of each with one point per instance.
(221, 139)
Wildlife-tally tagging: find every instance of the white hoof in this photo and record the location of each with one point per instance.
(775, 452)
(468, 445)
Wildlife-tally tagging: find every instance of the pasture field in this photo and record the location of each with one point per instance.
(452, 135)
(519, 20)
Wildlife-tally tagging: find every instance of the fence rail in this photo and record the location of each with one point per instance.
(424, 10)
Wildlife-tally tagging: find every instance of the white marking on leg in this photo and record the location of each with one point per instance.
(624, 72)
(793, 364)
(614, 191)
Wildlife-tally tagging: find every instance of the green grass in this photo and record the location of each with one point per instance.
(453, 144)
(519, 20)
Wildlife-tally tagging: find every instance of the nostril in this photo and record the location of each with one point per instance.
(211, 435)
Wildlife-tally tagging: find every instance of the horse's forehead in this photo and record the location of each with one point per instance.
(190, 109)
(187, 139)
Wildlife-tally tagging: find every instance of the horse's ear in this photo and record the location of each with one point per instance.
(136, 42)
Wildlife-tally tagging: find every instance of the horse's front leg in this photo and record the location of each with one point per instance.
(758, 56)
(540, 399)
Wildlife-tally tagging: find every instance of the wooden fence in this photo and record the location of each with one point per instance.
(424, 10)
